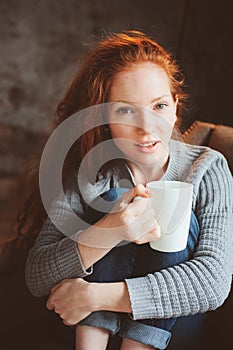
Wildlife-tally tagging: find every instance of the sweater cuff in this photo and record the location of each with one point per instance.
(144, 302)
(70, 261)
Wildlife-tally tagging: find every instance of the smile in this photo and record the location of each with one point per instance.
(147, 144)
(147, 147)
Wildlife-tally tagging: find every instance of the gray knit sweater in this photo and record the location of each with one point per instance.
(196, 286)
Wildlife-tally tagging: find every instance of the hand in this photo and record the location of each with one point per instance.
(71, 300)
(129, 220)
(133, 221)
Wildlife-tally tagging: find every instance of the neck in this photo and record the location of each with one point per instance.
(146, 173)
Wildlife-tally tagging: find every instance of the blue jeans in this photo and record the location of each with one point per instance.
(132, 260)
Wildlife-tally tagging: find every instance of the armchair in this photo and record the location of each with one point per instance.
(25, 322)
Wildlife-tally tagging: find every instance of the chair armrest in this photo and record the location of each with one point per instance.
(198, 133)
(218, 137)
(222, 140)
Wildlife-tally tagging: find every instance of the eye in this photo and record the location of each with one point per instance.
(161, 105)
(124, 110)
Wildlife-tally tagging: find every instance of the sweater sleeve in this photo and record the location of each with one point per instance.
(203, 283)
(53, 256)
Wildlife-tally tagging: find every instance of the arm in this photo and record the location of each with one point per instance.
(52, 258)
(203, 283)
(55, 257)
(198, 285)
(75, 299)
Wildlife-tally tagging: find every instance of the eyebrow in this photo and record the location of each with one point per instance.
(152, 101)
(160, 98)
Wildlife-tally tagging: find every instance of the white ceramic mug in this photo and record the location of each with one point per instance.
(172, 202)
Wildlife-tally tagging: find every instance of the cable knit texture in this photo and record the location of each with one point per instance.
(196, 286)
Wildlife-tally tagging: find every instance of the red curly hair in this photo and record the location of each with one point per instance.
(91, 86)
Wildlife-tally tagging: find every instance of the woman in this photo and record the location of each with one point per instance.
(142, 91)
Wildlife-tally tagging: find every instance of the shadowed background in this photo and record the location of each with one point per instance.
(42, 45)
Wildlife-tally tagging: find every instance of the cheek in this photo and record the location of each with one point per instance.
(170, 123)
(114, 130)
(119, 131)
(121, 136)
(173, 121)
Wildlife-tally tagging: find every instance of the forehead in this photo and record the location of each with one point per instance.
(142, 80)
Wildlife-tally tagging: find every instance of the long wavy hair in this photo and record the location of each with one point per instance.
(91, 86)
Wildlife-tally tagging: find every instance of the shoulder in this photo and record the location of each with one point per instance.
(201, 157)
(206, 161)
(207, 170)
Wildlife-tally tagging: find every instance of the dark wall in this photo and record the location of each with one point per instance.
(206, 55)
(42, 43)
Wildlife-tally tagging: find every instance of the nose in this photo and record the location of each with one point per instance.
(145, 122)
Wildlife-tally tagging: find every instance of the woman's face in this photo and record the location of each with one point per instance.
(142, 114)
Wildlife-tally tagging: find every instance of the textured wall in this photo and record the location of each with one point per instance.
(42, 44)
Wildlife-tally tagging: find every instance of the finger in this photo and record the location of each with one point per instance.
(148, 226)
(156, 231)
(49, 304)
(141, 214)
(151, 236)
(141, 206)
(69, 323)
(141, 223)
(141, 190)
(55, 288)
(138, 190)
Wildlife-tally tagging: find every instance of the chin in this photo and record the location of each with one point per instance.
(148, 160)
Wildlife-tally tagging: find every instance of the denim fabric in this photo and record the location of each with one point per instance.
(153, 336)
(132, 260)
(103, 319)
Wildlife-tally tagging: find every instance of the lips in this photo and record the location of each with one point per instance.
(147, 147)
(147, 144)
